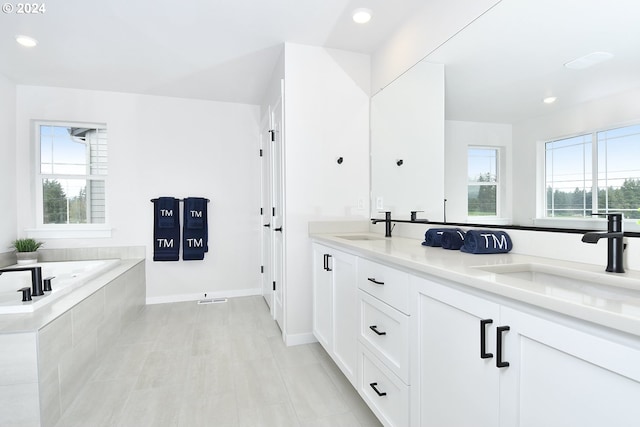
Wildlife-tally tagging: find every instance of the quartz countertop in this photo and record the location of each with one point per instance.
(614, 304)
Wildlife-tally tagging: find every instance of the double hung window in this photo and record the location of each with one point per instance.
(71, 173)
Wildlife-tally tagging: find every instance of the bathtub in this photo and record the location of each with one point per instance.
(68, 275)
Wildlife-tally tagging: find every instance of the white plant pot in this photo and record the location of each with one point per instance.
(27, 257)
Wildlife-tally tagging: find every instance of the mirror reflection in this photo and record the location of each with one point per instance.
(540, 103)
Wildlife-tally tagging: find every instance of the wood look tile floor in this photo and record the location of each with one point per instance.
(220, 365)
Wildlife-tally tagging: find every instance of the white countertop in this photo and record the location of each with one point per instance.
(615, 304)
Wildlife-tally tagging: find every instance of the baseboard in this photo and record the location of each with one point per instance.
(195, 297)
(299, 339)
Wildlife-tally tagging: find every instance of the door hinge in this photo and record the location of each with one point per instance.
(274, 285)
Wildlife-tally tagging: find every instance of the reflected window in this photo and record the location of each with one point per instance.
(483, 181)
(72, 173)
(594, 173)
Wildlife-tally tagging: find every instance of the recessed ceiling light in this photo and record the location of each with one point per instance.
(26, 41)
(588, 60)
(362, 15)
(549, 99)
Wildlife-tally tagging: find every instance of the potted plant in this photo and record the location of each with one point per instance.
(26, 250)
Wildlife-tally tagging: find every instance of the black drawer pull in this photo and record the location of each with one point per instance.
(326, 262)
(483, 338)
(374, 328)
(499, 362)
(373, 280)
(378, 392)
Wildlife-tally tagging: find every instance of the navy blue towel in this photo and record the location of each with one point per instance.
(433, 237)
(486, 242)
(166, 229)
(195, 233)
(452, 238)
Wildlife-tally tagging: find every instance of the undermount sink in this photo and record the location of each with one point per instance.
(360, 237)
(603, 284)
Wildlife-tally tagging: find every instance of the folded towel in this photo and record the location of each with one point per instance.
(195, 233)
(452, 238)
(433, 236)
(166, 229)
(486, 242)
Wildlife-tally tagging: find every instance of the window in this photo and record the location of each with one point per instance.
(71, 173)
(483, 183)
(597, 172)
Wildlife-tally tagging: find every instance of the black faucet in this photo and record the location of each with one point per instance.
(615, 247)
(36, 278)
(387, 223)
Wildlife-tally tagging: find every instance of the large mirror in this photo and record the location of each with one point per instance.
(497, 72)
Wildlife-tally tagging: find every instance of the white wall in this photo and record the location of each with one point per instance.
(326, 117)
(161, 146)
(8, 217)
(427, 29)
(458, 137)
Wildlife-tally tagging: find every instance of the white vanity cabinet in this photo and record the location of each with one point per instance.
(483, 363)
(383, 378)
(335, 302)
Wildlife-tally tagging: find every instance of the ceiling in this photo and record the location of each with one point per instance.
(223, 50)
(500, 68)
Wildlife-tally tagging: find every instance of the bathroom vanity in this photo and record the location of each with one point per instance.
(431, 337)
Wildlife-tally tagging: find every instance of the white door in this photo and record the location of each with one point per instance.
(322, 295)
(560, 376)
(277, 218)
(452, 384)
(265, 209)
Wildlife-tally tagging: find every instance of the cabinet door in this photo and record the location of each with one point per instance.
(345, 314)
(322, 296)
(560, 376)
(451, 385)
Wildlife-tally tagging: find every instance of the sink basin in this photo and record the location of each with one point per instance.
(360, 237)
(552, 279)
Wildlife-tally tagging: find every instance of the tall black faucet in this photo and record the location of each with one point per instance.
(615, 245)
(36, 278)
(387, 223)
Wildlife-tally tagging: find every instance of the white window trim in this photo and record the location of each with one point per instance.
(61, 231)
(500, 167)
(594, 223)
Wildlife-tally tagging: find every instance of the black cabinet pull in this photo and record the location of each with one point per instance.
(378, 392)
(499, 362)
(374, 328)
(326, 262)
(483, 338)
(373, 279)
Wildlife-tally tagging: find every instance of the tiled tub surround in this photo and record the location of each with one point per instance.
(48, 355)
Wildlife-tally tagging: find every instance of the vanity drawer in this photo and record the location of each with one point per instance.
(386, 394)
(385, 332)
(384, 283)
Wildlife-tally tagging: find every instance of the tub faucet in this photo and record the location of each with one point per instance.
(387, 223)
(615, 245)
(36, 278)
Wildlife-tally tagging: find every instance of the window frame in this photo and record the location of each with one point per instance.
(498, 183)
(43, 230)
(585, 222)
